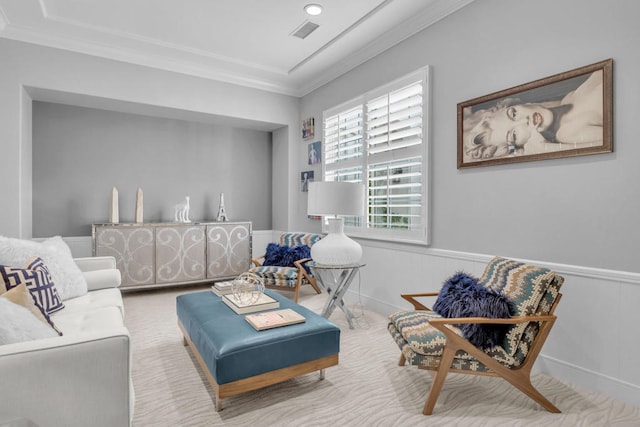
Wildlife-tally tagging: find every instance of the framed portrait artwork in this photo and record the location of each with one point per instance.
(568, 114)
(314, 153)
(306, 177)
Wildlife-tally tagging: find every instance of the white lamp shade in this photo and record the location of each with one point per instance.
(335, 198)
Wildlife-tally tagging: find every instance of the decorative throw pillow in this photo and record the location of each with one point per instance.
(18, 324)
(273, 254)
(36, 277)
(285, 256)
(20, 295)
(57, 256)
(462, 296)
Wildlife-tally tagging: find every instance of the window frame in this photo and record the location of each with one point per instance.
(420, 235)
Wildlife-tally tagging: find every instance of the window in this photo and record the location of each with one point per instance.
(380, 139)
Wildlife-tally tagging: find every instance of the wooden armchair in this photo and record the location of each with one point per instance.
(436, 343)
(287, 273)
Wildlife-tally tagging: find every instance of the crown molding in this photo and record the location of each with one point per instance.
(436, 12)
(176, 58)
(197, 67)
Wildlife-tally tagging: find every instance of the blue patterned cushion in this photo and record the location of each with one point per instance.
(35, 275)
(525, 286)
(277, 276)
(297, 239)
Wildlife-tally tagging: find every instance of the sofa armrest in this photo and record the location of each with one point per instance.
(95, 263)
(99, 272)
(102, 279)
(69, 381)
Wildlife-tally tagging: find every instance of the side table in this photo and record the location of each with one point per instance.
(335, 279)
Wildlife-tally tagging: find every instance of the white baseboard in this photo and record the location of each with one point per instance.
(621, 390)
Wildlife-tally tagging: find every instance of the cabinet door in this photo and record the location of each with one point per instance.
(133, 249)
(228, 249)
(180, 254)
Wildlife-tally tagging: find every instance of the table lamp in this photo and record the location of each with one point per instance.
(336, 198)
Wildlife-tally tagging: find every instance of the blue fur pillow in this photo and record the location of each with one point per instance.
(273, 254)
(285, 256)
(462, 296)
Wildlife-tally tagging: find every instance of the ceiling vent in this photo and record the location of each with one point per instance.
(305, 29)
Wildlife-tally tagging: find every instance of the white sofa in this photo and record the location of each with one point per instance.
(82, 378)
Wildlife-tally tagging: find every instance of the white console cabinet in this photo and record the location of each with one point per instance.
(160, 254)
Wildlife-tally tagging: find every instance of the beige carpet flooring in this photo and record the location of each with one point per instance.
(367, 388)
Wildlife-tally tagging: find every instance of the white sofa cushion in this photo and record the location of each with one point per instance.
(57, 257)
(80, 322)
(95, 300)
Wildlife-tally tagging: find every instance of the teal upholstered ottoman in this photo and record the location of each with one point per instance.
(236, 358)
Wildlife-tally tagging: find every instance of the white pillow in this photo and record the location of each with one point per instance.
(18, 324)
(57, 257)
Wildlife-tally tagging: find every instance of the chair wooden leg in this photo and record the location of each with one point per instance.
(315, 286)
(296, 293)
(523, 383)
(402, 360)
(438, 380)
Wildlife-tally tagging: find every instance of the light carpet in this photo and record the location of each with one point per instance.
(367, 388)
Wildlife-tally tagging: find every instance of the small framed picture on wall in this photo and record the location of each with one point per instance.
(308, 128)
(314, 153)
(305, 178)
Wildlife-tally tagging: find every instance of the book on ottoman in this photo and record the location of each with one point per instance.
(222, 288)
(274, 319)
(264, 302)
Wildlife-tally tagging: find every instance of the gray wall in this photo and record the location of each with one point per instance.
(79, 154)
(581, 210)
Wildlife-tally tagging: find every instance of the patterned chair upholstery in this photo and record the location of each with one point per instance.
(288, 278)
(432, 342)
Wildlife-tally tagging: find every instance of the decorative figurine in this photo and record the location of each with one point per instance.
(182, 211)
(114, 213)
(139, 215)
(222, 215)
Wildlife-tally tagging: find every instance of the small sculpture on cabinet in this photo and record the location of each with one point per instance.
(182, 211)
(114, 213)
(139, 214)
(222, 215)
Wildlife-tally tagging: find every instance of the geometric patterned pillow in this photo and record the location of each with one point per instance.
(35, 275)
(524, 284)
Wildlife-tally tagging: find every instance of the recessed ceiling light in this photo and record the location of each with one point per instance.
(313, 9)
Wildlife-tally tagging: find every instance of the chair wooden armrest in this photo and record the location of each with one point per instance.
(416, 304)
(301, 268)
(256, 261)
(302, 273)
(488, 320)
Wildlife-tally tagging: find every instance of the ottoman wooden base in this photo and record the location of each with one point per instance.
(258, 381)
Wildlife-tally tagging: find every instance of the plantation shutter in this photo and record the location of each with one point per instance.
(394, 145)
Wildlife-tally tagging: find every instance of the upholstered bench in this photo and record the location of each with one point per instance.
(236, 358)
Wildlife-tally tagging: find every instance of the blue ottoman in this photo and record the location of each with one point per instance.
(236, 358)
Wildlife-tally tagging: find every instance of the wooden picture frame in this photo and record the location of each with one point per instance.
(564, 115)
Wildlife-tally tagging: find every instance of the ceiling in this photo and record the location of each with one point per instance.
(245, 42)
